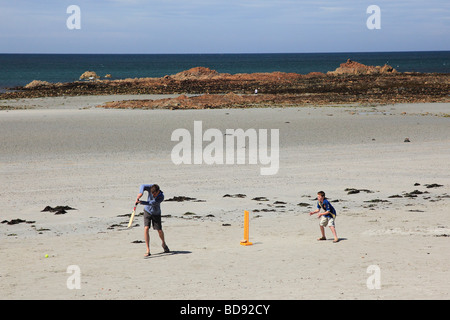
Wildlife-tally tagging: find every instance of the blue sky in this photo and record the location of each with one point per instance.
(222, 26)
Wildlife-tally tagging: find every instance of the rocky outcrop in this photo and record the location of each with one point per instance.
(353, 67)
(197, 73)
(89, 75)
(36, 84)
(352, 82)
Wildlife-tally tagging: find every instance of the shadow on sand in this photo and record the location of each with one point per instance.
(163, 254)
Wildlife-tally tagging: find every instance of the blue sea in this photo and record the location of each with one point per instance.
(20, 69)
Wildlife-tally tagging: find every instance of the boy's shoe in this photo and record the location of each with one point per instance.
(166, 248)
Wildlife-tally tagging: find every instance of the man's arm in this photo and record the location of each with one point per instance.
(141, 192)
(138, 198)
(159, 198)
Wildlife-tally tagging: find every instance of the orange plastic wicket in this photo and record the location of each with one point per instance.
(246, 241)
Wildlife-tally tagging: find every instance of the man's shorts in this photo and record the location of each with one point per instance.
(154, 220)
(324, 221)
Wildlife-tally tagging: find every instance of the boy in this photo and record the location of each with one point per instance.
(152, 213)
(327, 217)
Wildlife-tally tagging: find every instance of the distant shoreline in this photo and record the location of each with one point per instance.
(21, 69)
(351, 83)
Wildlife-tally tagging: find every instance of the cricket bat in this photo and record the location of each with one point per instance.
(132, 217)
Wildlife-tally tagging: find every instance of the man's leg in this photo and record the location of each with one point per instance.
(147, 239)
(161, 236)
(164, 245)
(157, 225)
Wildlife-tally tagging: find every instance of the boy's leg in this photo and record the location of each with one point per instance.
(322, 223)
(333, 229)
(322, 231)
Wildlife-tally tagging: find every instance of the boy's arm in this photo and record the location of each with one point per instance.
(326, 208)
(317, 210)
(323, 213)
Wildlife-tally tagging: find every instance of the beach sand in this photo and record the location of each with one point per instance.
(94, 161)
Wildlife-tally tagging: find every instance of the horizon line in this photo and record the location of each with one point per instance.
(225, 53)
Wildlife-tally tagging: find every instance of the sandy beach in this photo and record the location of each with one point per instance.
(68, 152)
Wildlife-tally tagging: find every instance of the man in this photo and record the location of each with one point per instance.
(152, 213)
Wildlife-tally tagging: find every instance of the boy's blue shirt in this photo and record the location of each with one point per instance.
(326, 205)
(152, 203)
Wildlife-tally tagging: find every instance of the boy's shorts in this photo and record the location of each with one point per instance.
(154, 220)
(324, 221)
